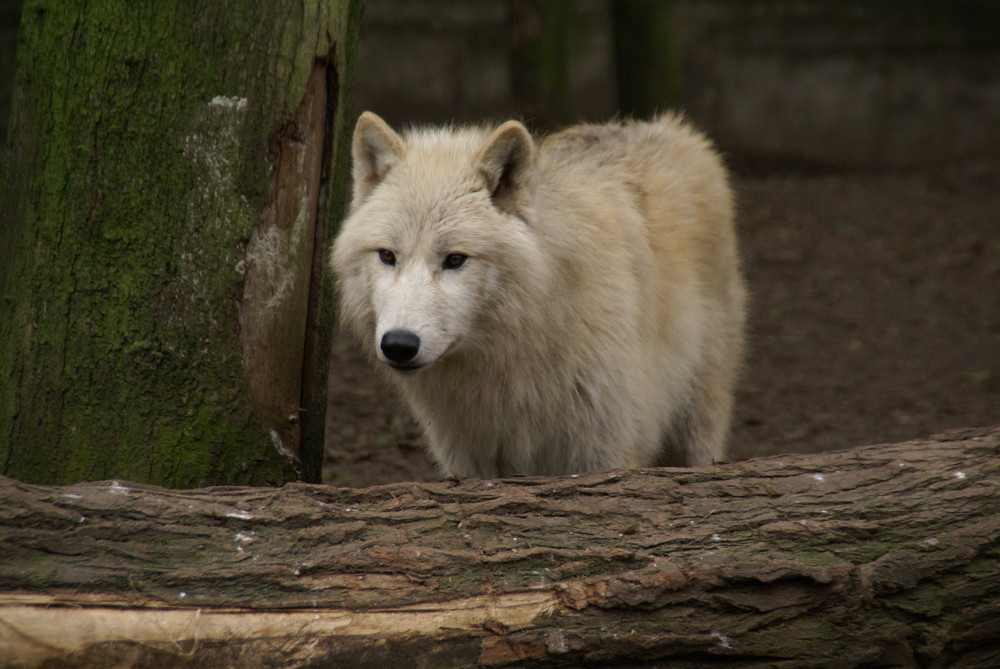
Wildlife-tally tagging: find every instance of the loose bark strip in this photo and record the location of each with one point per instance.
(878, 556)
(276, 287)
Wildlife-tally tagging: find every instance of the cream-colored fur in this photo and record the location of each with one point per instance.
(597, 320)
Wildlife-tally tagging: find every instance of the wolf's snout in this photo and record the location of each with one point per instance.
(400, 345)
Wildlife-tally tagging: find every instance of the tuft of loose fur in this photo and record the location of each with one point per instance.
(548, 307)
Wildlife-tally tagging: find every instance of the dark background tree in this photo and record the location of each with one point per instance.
(539, 62)
(646, 58)
(172, 177)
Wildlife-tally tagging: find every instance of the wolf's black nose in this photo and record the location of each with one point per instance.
(400, 345)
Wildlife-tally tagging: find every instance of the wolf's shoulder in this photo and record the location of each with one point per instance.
(622, 139)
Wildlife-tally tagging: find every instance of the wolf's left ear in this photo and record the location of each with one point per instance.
(504, 161)
(375, 149)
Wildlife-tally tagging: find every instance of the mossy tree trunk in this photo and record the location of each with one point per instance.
(884, 556)
(172, 175)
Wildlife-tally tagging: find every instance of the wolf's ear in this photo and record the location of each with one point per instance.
(504, 162)
(375, 149)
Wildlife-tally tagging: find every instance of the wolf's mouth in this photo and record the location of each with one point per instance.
(405, 368)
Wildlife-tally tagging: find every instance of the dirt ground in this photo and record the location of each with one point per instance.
(875, 317)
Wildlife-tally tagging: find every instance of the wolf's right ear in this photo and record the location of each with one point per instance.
(504, 161)
(375, 149)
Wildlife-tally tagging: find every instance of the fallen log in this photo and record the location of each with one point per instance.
(877, 556)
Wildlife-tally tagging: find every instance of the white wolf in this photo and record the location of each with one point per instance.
(548, 307)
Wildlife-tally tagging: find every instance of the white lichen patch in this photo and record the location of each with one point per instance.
(722, 640)
(270, 256)
(959, 475)
(235, 102)
(217, 213)
(555, 642)
(240, 515)
(279, 445)
(117, 488)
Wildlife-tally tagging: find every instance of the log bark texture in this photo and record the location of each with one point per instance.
(173, 174)
(882, 556)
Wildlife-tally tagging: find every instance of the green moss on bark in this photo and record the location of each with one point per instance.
(138, 170)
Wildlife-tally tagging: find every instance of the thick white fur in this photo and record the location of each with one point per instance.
(598, 320)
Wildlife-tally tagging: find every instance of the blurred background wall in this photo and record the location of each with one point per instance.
(883, 82)
(845, 82)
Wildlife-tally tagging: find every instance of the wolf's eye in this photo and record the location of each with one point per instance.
(387, 256)
(454, 260)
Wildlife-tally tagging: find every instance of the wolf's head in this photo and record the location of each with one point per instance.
(440, 220)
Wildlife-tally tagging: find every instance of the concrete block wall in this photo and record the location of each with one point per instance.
(883, 83)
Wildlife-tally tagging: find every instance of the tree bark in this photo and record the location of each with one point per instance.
(173, 175)
(883, 556)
